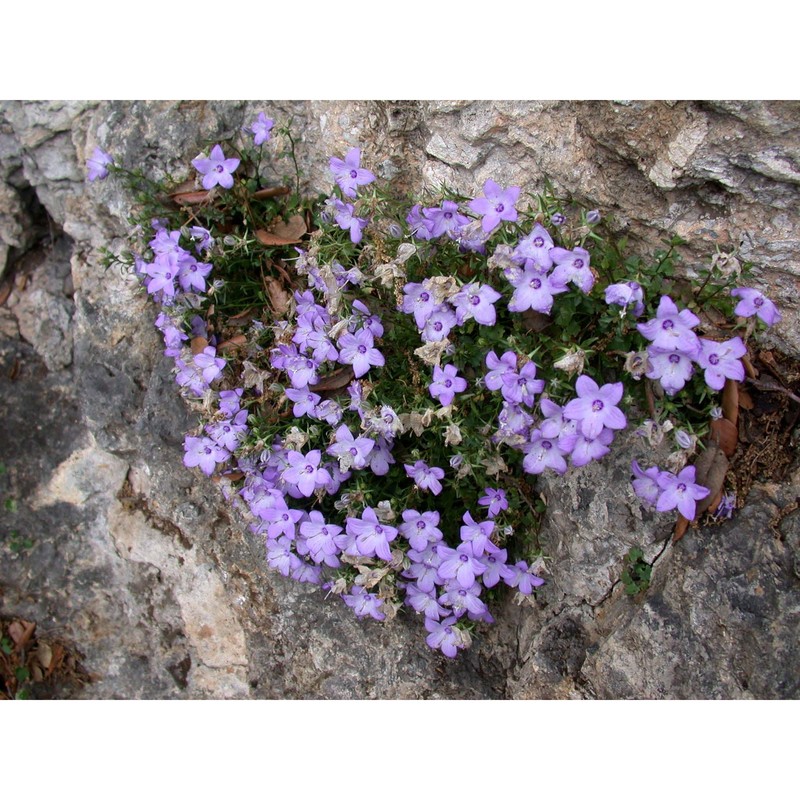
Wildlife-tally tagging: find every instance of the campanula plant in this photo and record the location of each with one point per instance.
(380, 379)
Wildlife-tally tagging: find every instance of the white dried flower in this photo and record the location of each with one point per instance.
(431, 353)
(572, 362)
(452, 434)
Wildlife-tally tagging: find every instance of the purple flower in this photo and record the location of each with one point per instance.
(349, 174)
(424, 602)
(280, 556)
(645, 483)
(420, 227)
(420, 529)
(364, 603)
(423, 570)
(626, 295)
(305, 401)
(558, 219)
(672, 369)
(523, 579)
(344, 214)
(537, 247)
(495, 500)
(584, 450)
(216, 169)
(439, 324)
(461, 564)
(573, 266)
(351, 451)
(359, 350)
(304, 472)
(203, 238)
(372, 537)
(720, 360)
(476, 302)
(418, 301)
(596, 407)
(496, 205)
(446, 382)
(680, 491)
(671, 329)
(261, 128)
(522, 387)
(477, 535)
(541, 454)
(444, 220)
(97, 165)
(229, 432)
(499, 368)
(209, 365)
(593, 216)
(445, 636)
(535, 290)
(192, 273)
(465, 600)
(204, 453)
(321, 539)
(425, 477)
(752, 302)
(496, 569)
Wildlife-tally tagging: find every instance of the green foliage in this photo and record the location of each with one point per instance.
(636, 573)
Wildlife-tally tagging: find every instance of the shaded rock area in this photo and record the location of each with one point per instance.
(140, 565)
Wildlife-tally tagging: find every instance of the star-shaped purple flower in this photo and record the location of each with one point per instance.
(596, 407)
(424, 476)
(216, 169)
(496, 205)
(359, 350)
(680, 491)
(349, 174)
(261, 128)
(97, 165)
(752, 302)
(446, 382)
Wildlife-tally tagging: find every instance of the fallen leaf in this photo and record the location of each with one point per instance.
(745, 401)
(751, 371)
(45, 654)
(681, 526)
(725, 434)
(191, 198)
(279, 298)
(199, 343)
(730, 401)
(281, 233)
(5, 291)
(711, 467)
(235, 341)
(21, 631)
(274, 191)
(337, 379)
(535, 321)
(242, 318)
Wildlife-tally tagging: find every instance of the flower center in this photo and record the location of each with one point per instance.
(713, 359)
(681, 488)
(674, 358)
(536, 284)
(538, 242)
(420, 524)
(353, 451)
(758, 302)
(475, 300)
(424, 297)
(499, 208)
(353, 174)
(219, 168)
(309, 469)
(448, 215)
(378, 529)
(362, 349)
(448, 383)
(667, 324)
(464, 557)
(437, 326)
(598, 405)
(578, 263)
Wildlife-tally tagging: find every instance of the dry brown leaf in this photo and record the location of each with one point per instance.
(681, 526)
(337, 379)
(725, 434)
(235, 341)
(711, 467)
(730, 401)
(243, 316)
(751, 371)
(274, 191)
(21, 631)
(745, 401)
(535, 321)
(281, 233)
(45, 654)
(714, 504)
(279, 298)
(190, 198)
(199, 343)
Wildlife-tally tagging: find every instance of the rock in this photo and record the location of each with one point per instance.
(164, 590)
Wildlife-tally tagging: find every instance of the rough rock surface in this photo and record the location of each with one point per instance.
(138, 562)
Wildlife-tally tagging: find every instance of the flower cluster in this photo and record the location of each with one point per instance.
(382, 422)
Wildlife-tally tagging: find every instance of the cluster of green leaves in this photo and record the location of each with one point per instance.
(636, 573)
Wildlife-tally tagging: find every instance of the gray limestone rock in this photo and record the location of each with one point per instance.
(162, 588)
